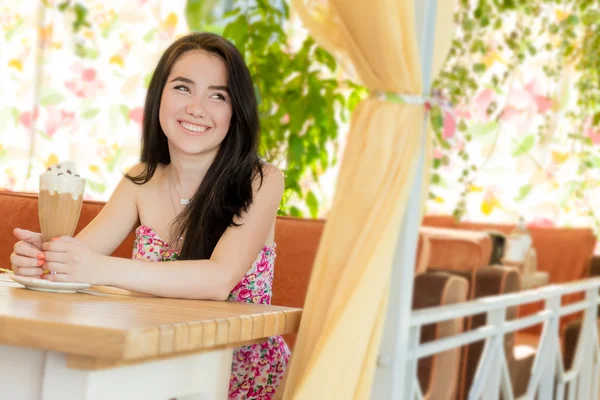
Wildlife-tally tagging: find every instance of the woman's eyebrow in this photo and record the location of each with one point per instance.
(183, 79)
(223, 88)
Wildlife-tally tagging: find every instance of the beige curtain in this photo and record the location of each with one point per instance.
(335, 354)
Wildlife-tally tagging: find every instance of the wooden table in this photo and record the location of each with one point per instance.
(105, 343)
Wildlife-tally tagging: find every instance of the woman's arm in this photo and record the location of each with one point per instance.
(211, 279)
(193, 279)
(117, 218)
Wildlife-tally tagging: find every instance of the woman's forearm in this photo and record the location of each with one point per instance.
(197, 279)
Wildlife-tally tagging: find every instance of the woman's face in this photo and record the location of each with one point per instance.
(195, 107)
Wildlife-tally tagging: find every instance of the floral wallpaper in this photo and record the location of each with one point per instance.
(79, 95)
(524, 145)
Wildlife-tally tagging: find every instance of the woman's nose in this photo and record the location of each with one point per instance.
(196, 108)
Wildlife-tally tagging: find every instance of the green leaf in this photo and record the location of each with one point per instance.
(296, 150)
(313, 204)
(353, 99)
(51, 97)
(324, 158)
(572, 19)
(64, 5)
(437, 121)
(11, 32)
(295, 212)
(149, 37)
(90, 113)
(194, 14)
(326, 58)
(80, 12)
(95, 186)
(257, 94)
(483, 129)
(441, 141)
(524, 146)
(90, 53)
(5, 116)
(16, 114)
(111, 25)
(110, 167)
(124, 112)
(147, 80)
(523, 192)
(232, 13)
(479, 68)
(237, 31)
(43, 134)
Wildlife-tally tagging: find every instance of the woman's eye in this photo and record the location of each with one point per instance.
(182, 88)
(218, 96)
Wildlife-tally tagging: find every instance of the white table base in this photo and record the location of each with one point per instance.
(30, 374)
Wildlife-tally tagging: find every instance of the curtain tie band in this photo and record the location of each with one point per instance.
(427, 100)
(449, 118)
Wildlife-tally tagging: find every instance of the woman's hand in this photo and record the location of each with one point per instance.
(70, 260)
(27, 257)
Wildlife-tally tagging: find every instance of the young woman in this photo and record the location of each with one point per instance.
(202, 201)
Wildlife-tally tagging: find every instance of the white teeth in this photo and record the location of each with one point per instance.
(193, 128)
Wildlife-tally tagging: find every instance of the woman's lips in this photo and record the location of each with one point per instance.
(193, 128)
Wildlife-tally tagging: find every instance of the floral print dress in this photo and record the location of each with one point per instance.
(257, 369)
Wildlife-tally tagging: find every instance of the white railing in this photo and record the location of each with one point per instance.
(548, 379)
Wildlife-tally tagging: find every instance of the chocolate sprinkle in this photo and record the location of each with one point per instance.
(59, 174)
(49, 169)
(69, 171)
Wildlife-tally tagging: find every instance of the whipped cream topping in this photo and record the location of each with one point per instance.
(63, 178)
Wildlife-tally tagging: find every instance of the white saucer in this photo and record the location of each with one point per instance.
(48, 286)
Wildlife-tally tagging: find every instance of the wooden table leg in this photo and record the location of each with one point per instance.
(39, 375)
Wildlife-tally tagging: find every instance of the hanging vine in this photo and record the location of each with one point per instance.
(493, 41)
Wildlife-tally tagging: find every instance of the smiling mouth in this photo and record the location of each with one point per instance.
(194, 128)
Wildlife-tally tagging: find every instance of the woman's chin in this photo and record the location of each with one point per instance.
(191, 149)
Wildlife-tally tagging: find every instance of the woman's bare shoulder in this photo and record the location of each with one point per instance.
(272, 180)
(271, 172)
(140, 169)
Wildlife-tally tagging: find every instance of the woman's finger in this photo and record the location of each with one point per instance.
(53, 256)
(34, 238)
(56, 245)
(26, 266)
(56, 267)
(24, 271)
(25, 262)
(25, 249)
(56, 277)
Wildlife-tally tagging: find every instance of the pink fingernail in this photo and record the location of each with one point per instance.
(40, 263)
(54, 239)
(41, 256)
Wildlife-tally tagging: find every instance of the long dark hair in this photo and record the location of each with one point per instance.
(226, 189)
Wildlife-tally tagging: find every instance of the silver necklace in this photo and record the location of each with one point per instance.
(182, 201)
(173, 205)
